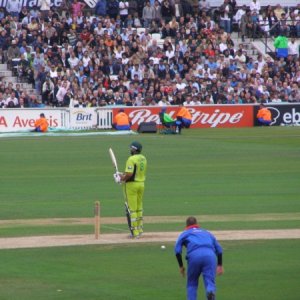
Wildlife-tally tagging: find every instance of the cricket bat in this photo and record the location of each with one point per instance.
(113, 159)
(127, 210)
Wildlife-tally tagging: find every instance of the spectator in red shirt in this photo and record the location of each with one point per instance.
(85, 35)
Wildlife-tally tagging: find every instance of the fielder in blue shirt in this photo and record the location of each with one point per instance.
(203, 255)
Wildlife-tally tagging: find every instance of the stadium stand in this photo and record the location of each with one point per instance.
(78, 56)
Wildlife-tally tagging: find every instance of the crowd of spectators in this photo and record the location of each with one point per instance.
(137, 53)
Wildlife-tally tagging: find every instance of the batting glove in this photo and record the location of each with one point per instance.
(117, 178)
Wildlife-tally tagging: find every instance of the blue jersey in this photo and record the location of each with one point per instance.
(195, 239)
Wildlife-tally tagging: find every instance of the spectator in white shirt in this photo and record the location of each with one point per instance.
(240, 12)
(223, 46)
(148, 14)
(73, 60)
(170, 53)
(26, 20)
(14, 7)
(260, 63)
(164, 102)
(255, 6)
(240, 57)
(293, 48)
(2, 100)
(188, 101)
(180, 85)
(136, 71)
(136, 20)
(123, 6)
(139, 100)
(53, 72)
(61, 93)
(99, 30)
(45, 6)
(264, 24)
(204, 6)
(11, 101)
(275, 98)
(86, 59)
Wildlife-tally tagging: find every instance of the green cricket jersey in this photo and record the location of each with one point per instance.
(136, 164)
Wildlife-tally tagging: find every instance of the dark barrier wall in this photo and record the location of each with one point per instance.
(282, 114)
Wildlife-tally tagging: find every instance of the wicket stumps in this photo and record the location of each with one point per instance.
(97, 220)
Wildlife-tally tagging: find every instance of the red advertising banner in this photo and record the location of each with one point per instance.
(202, 116)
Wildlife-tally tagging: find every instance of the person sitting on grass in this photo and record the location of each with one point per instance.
(41, 124)
(168, 122)
(264, 116)
(121, 121)
(184, 118)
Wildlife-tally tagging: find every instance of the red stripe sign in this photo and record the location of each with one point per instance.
(202, 116)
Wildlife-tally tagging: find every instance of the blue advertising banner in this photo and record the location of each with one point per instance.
(282, 114)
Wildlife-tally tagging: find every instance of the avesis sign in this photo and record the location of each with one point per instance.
(18, 120)
(202, 116)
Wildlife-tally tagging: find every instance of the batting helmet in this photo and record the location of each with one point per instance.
(136, 146)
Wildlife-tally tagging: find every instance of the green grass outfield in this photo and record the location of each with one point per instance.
(254, 270)
(212, 172)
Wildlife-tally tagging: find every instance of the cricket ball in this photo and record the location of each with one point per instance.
(163, 247)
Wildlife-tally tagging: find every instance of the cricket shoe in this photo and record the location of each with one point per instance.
(133, 237)
(140, 231)
(211, 296)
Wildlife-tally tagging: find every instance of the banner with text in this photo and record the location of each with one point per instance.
(83, 118)
(282, 114)
(35, 3)
(202, 116)
(13, 120)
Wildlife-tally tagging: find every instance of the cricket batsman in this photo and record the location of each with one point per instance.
(134, 179)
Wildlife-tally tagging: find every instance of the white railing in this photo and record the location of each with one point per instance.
(104, 116)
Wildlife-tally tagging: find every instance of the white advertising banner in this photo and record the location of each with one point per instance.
(35, 3)
(13, 120)
(92, 3)
(83, 118)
